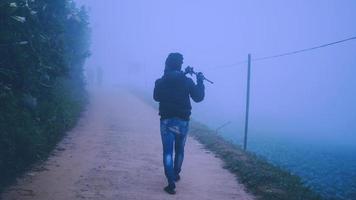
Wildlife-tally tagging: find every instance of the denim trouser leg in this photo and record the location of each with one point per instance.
(167, 141)
(173, 134)
(179, 149)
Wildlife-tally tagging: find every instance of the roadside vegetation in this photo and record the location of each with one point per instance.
(43, 47)
(261, 178)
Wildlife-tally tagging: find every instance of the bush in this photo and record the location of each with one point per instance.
(43, 47)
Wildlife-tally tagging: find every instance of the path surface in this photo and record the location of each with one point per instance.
(115, 152)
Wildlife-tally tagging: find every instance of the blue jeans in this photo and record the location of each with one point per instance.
(173, 133)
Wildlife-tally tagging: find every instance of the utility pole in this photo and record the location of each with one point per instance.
(247, 100)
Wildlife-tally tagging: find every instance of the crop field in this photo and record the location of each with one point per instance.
(328, 169)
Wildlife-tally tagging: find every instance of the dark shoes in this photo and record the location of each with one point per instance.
(170, 190)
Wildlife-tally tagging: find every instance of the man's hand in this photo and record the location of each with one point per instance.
(200, 78)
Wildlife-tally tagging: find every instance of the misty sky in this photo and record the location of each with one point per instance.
(310, 94)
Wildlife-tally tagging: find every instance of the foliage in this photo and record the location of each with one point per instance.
(43, 47)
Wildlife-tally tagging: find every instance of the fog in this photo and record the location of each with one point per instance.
(307, 97)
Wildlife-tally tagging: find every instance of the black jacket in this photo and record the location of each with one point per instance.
(172, 91)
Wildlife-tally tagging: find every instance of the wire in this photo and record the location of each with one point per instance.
(234, 64)
(287, 53)
(228, 65)
(304, 50)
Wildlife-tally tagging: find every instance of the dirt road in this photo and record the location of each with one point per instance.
(115, 153)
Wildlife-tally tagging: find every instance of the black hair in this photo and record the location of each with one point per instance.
(173, 62)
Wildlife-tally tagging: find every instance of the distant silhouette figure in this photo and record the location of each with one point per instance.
(90, 78)
(173, 91)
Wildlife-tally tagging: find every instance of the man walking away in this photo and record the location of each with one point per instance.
(173, 91)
